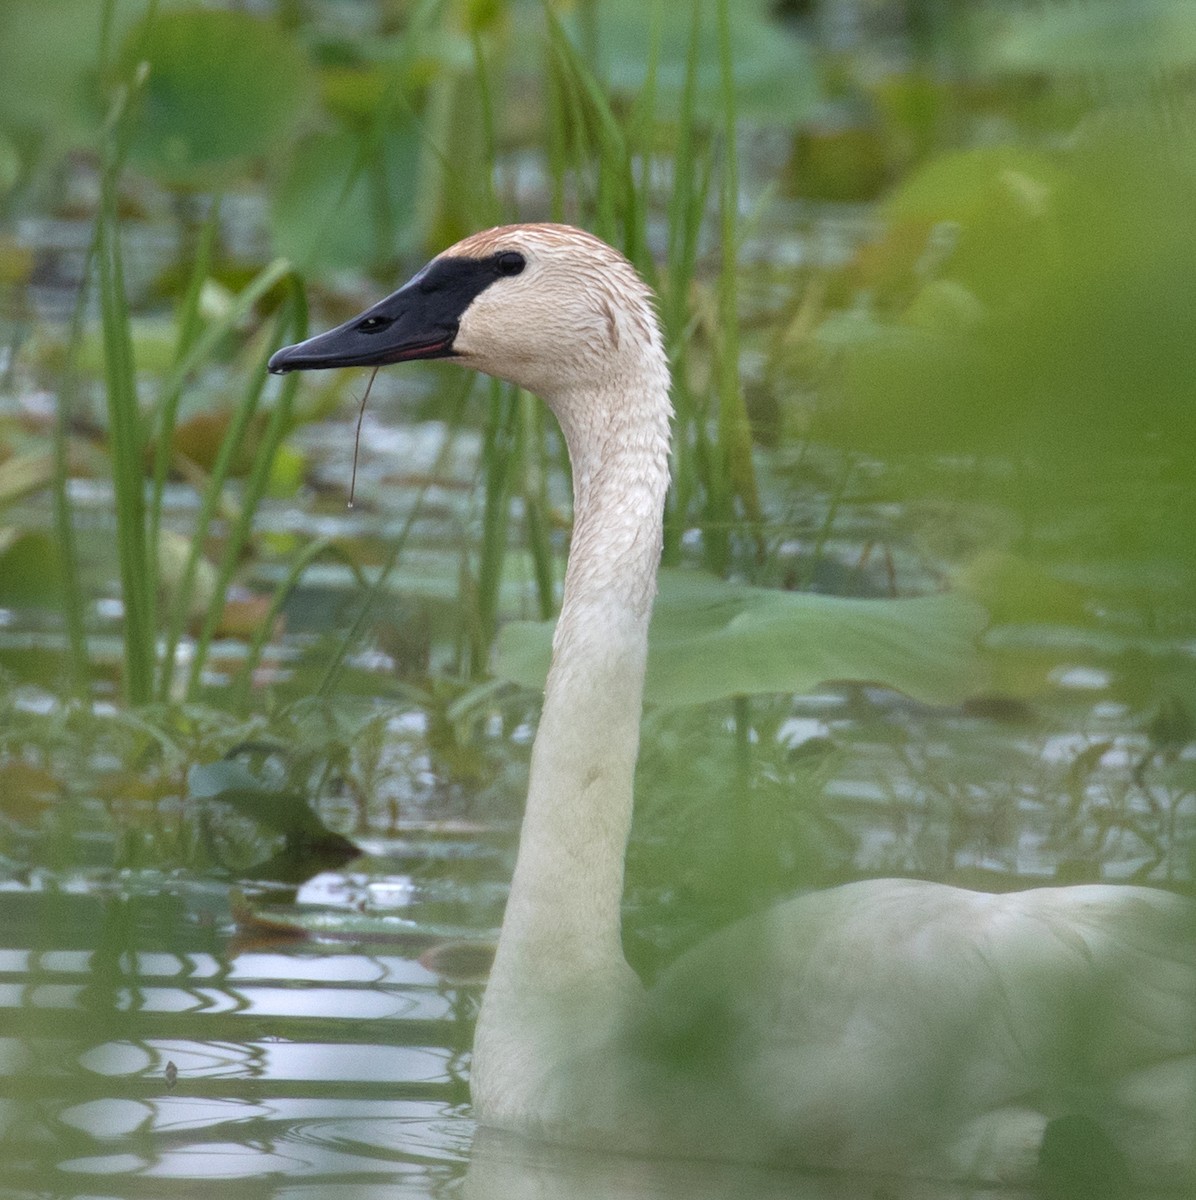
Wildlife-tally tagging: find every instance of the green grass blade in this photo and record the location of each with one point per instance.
(64, 527)
(189, 317)
(557, 136)
(686, 210)
(128, 448)
(276, 429)
(232, 443)
(735, 443)
(503, 447)
(490, 206)
(535, 505)
(592, 116)
(199, 350)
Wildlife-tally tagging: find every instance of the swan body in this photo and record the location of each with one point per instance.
(887, 1025)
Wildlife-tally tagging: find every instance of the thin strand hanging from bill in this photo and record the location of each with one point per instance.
(357, 435)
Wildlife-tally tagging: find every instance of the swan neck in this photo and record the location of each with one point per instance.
(562, 926)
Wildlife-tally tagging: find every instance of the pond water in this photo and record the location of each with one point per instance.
(147, 1053)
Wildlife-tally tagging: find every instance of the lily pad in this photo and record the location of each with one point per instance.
(711, 640)
(23, 475)
(222, 88)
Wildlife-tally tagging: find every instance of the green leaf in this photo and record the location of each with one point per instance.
(47, 52)
(24, 474)
(262, 796)
(775, 76)
(30, 571)
(1099, 36)
(10, 164)
(711, 640)
(222, 88)
(346, 200)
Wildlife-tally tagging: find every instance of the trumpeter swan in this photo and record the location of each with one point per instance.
(887, 1025)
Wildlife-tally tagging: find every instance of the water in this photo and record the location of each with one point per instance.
(148, 1050)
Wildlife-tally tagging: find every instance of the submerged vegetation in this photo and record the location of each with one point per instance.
(925, 284)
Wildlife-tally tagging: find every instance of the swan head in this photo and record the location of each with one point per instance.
(548, 307)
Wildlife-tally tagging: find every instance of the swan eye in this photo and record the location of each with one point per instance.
(374, 324)
(509, 262)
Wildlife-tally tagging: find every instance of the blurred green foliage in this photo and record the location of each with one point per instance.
(220, 90)
(47, 67)
(776, 78)
(1096, 39)
(342, 200)
(1054, 321)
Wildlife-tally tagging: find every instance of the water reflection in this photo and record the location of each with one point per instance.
(161, 1060)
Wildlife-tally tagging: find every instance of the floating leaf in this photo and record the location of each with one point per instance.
(710, 640)
(265, 798)
(1013, 589)
(155, 347)
(17, 260)
(242, 617)
(262, 792)
(223, 87)
(339, 924)
(27, 792)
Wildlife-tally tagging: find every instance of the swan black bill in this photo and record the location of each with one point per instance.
(420, 320)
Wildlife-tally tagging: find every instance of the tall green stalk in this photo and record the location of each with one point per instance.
(231, 445)
(126, 431)
(292, 322)
(64, 526)
(190, 320)
(686, 210)
(535, 504)
(733, 476)
(198, 349)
